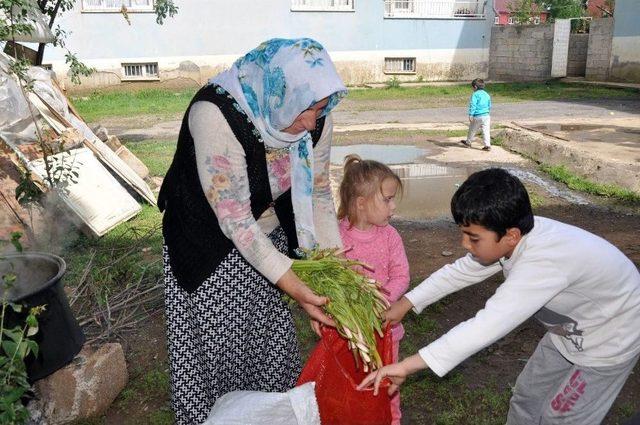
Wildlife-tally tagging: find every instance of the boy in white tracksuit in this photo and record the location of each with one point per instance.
(582, 288)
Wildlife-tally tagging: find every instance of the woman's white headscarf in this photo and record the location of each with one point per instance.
(273, 84)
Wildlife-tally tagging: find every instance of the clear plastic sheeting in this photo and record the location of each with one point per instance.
(50, 104)
(295, 407)
(15, 118)
(41, 32)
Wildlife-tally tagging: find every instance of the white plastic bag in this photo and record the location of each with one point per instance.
(295, 407)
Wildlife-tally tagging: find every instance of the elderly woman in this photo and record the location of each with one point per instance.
(248, 185)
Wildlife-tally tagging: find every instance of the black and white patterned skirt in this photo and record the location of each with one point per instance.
(235, 332)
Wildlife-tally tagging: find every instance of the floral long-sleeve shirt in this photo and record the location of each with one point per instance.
(222, 169)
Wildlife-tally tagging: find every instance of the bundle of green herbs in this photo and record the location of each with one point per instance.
(356, 302)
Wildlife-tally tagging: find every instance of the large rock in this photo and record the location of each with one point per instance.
(84, 388)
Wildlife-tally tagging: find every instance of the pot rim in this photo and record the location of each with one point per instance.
(62, 268)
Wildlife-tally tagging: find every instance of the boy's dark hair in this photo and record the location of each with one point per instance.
(495, 199)
(478, 83)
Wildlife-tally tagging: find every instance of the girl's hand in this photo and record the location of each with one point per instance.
(397, 311)
(396, 372)
(310, 302)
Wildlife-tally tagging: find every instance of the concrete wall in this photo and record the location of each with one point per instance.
(577, 64)
(519, 53)
(625, 49)
(599, 50)
(206, 36)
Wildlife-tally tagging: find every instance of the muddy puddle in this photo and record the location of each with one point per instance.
(428, 187)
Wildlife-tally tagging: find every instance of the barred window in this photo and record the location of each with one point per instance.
(140, 71)
(434, 9)
(322, 5)
(116, 5)
(399, 65)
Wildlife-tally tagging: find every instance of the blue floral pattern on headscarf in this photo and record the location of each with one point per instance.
(273, 84)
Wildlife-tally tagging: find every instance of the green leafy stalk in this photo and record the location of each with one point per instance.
(356, 302)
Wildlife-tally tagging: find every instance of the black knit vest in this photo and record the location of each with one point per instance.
(190, 228)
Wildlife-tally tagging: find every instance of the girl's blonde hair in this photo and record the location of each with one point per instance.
(362, 177)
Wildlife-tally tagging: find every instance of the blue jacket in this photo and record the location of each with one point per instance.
(480, 103)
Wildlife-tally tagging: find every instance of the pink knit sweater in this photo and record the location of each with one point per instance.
(382, 249)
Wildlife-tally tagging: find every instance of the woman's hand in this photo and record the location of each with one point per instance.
(310, 302)
(397, 311)
(396, 372)
(317, 327)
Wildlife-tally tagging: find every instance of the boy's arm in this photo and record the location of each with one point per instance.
(398, 268)
(466, 271)
(528, 288)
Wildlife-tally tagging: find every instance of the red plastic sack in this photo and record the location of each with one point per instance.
(332, 367)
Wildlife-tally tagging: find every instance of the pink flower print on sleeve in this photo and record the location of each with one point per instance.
(280, 169)
(245, 238)
(220, 163)
(230, 208)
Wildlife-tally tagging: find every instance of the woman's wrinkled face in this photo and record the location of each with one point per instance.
(306, 121)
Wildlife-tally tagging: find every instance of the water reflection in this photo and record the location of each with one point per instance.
(428, 189)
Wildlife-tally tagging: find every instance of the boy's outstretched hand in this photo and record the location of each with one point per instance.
(396, 372)
(397, 311)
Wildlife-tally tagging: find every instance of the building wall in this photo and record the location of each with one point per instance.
(578, 46)
(625, 48)
(520, 53)
(599, 50)
(206, 36)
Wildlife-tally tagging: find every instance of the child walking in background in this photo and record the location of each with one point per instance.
(367, 202)
(479, 109)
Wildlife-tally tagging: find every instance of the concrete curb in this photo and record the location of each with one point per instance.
(556, 152)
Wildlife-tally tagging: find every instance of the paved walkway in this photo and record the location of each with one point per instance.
(501, 112)
(432, 118)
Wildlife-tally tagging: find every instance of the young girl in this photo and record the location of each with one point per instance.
(367, 202)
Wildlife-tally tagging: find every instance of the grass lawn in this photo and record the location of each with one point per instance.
(156, 154)
(172, 104)
(98, 105)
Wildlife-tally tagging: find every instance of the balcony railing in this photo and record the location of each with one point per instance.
(434, 8)
(322, 5)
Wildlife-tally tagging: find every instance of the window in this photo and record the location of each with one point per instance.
(399, 65)
(140, 71)
(536, 20)
(322, 5)
(459, 9)
(496, 20)
(116, 5)
(512, 20)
